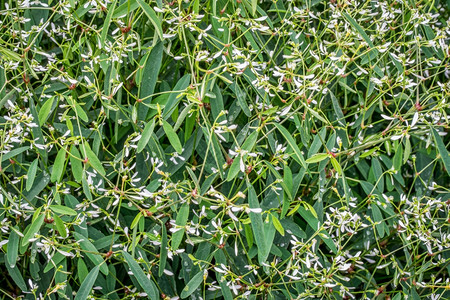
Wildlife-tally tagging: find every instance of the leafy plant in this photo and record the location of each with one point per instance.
(224, 149)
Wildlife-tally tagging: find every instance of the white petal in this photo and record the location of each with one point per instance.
(415, 119)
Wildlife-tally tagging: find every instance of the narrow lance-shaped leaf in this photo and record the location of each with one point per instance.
(91, 252)
(359, 28)
(288, 136)
(312, 220)
(181, 220)
(82, 269)
(76, 165)
(174, 98)
(87, 284)
(172, 136)
(14, 152)
(31, 174)
(248, 145)
(93, 160)
(81, 113)
(45, 110)
(136, 220)
(126, 7)
(58, 166)
(442, 150)
(277, 225)
(147, 284)
(163, 251)
(336, 165)
(254, 5)
(107, 23)
(192, 285)
(398, 157)
(337, 109)
(63, 210)
(60, 226)
(33, 229)
(317, 158)
(149, 77)
(151, 14)
(146, 134)
(17, 277)
(257, 224)
(13, 248)
(240, 95)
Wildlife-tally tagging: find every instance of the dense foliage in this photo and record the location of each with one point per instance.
(224, 149)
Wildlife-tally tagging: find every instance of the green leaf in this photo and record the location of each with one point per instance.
(60, 226)
(87, 284)
(174, 98)
(248, 235)
(8, 96)
(147, 284)
(31, 174)
(254, 5)
(146, 134)
(192, 285)
(172, 136)
(151, 14)
(288, 136)
(11, 55)
(149, 77)
(293, 210)
(163, 251)
(82, 270)
(277, 225)
(33, 229)
(14, 152)
(359, 28)
(13, 248)
(337, 110)
(234, 168)
(63, 210)
(313, 221)
(44, 112)
(378, 217)
(316, 158)
(241, 95)
(58, 166)
(85, 186)
(182, 116)
(125, 8)
(107, 23)
(17, 277)
(248, 145)
(91, 252)
(315, 114)
(442, 150)
(407, 152)
(398, 157)
(308, 207)
(93, 160)
(367, 153)
(257, 224)
(76, 164)
(54, 262)
(293, 228)
(81, 113)
(181, 220)
(2, 84)
(250, 141)
(136, 220)
(336, 165)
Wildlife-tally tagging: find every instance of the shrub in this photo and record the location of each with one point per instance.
(224, 149)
